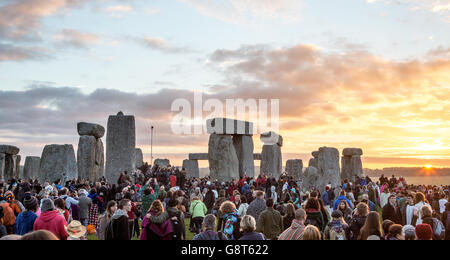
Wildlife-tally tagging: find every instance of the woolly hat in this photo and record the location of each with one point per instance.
(9, 196)
(424, 232)
(47, 205)
(30, 202)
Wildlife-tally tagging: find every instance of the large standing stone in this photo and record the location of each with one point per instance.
(198, 156)
(352, 151)
(351, 164)
(99, 167)
(243, 144)
(294, 168)
(9, 149)
(346, 171)
(310, 178)
(356, 166)
(17, 164)
(120, 146)
(86, 157)
(191, 167)
(12, 170)
(58, 162)
(328, 162)
(223, 161)
(271, 161)
(2, 166)
(139, 158)
(31, 167)
(95, 130)
(162, 162)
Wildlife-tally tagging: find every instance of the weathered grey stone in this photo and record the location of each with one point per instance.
(346, 171)
(257, 156)
(223, 161)
(9, 149)
(99, 167)
(58, 162)
(162, 162)
(31, 167)
(86, 157)
(294, 168)
(313, 162)
(271, 161)
(191, 167)
(356, 166)
(243, 144)
(198, 156)
(120, 146)
(310, 178)
(17, 164)
(139, 158)
(2, 166)
(270, 138)
(12, 168)
(228, 126)
(95, 130)
(352, 151)
(328, 162)
(315, 154)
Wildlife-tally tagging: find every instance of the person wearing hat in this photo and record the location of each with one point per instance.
(76, 231)
(25, 220)
(337, 229)
(51, 220)
(9, 218)
(424, 232)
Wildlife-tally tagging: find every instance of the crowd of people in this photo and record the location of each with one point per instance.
(156, 203)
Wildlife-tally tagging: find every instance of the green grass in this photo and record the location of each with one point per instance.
(189, 235)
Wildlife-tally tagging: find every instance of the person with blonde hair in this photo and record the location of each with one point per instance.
(311, 233)
(248, 227)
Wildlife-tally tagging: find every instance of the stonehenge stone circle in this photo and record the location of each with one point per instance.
(162, 162)
(58, 162)
(351, 164)
(223, 161)
(328, 162)
(225, 126)
(10, 162)
(271, 138)
(95, 130)
(294, 168)
(139, 158)
(191, 167)
(31, 167)
(99, 167)
(243, 144)
(120, 146)
(310, 178)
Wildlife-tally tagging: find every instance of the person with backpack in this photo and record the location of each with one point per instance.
(177, 219)
(209, 224)
(231, 220)
(270, 222)
(436, 224)
(358, 220)
(337, 229)
(51, 220)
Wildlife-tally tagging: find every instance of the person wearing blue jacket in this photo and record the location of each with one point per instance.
(342, 197)
(25, 220)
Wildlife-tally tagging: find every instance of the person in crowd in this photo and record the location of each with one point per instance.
(424, 232)
(198, 211)
(342, 197)
(85, 204)
(243, 206)
(76, 231)
(395, 233)
(248, 227)
(118, 227)
(289, 217)
(209, 225)
(358, 220)
(297, 228)
(392, 211)
(156, 224)
(104, 219)
(371, 227)
(270, 222)
(3, 231)
(311, 233)
(231, 220)
(216, 209)
(446, 220)
(409, 232)
(51, 220)
(61, 207)
(25, 220)
(346, 211)
(257, 206)
(314, 215)
(40, 235)
(337, 229)
(419, 201)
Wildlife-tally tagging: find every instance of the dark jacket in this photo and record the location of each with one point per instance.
(391, 213)
(270, 223)
(313, 216)
(355, 226)
(256, 208)
(287, 221)
(118, 228)
(209, 200)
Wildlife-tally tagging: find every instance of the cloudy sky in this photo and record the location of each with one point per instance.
(373, 74)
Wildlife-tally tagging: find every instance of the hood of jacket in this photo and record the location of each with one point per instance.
(119, 213)
(49, 215)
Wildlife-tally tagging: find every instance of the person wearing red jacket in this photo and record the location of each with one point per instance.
(173, 180)
(51, 220)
